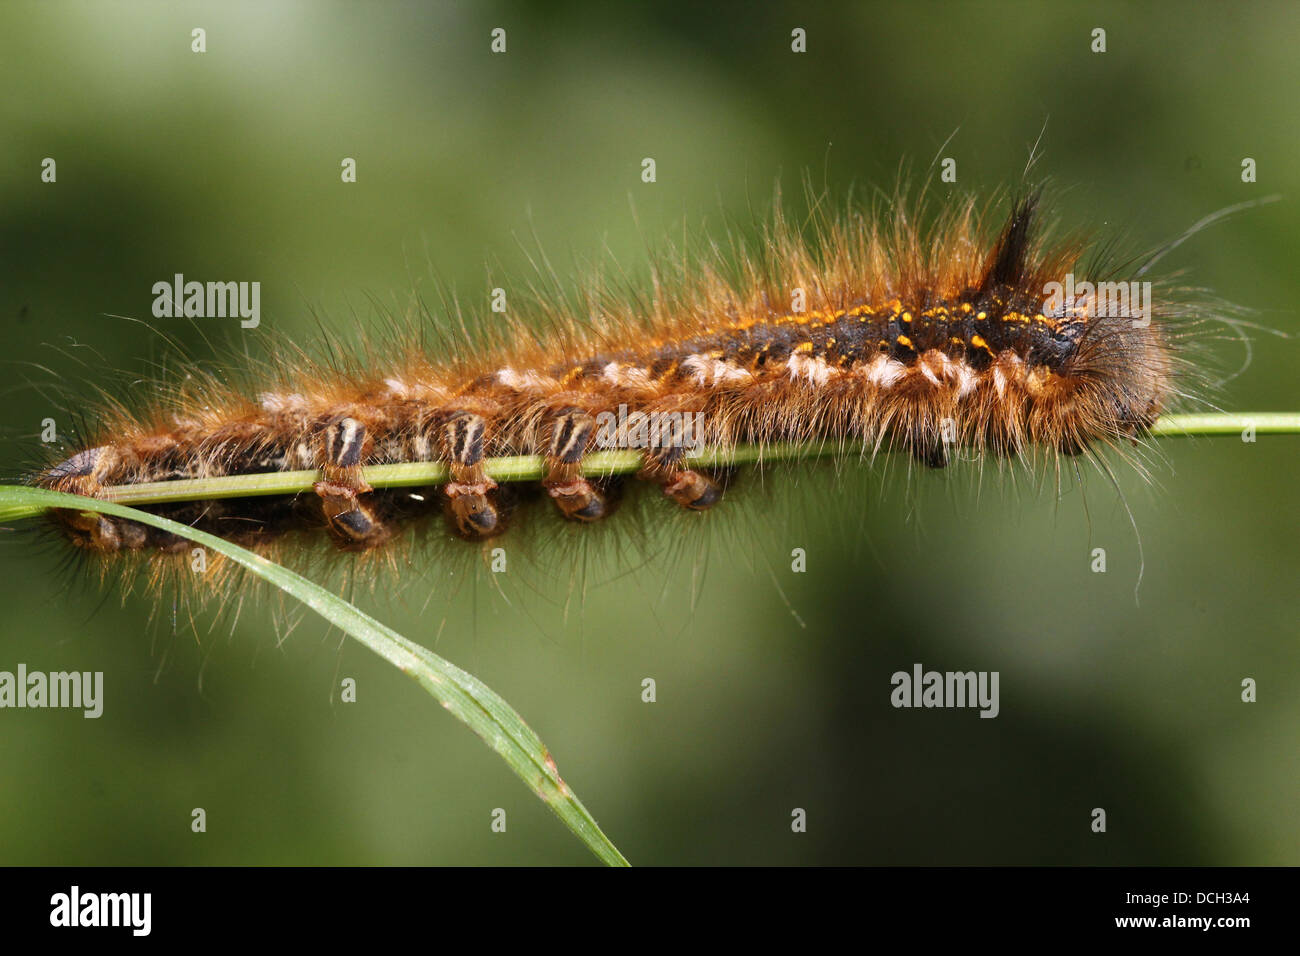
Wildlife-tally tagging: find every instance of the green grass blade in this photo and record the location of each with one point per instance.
(465, 696)
(1219, 423)
(617, 462)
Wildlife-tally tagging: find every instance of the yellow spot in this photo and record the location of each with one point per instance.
(906, 342)
(979, 343)
(803, 347)
(982, 315)
(965, 306)
(907, 316)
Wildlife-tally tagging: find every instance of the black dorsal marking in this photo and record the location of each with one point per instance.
(1011, 254)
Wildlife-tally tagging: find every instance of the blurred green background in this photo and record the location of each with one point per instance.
(226, 165)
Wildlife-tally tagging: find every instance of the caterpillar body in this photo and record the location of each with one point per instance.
(872, 333)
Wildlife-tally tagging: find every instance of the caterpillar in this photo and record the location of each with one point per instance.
(868, 329)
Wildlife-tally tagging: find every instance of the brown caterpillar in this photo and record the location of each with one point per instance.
(912, 339)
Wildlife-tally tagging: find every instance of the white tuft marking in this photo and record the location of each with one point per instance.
(813, 368)
(937, 366)
(884, 371)
(626, 376)
(966, 378)
(278, 403)
(1008, 364)
(524, 381)
(397, 388)
(711, 371)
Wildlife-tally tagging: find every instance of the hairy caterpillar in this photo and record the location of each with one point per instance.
(868, 331)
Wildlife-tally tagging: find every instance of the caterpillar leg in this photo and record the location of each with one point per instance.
(930, 450)
(469, 502)
(81, 475)
(341, 486)
(687, 487)
(572, 433)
